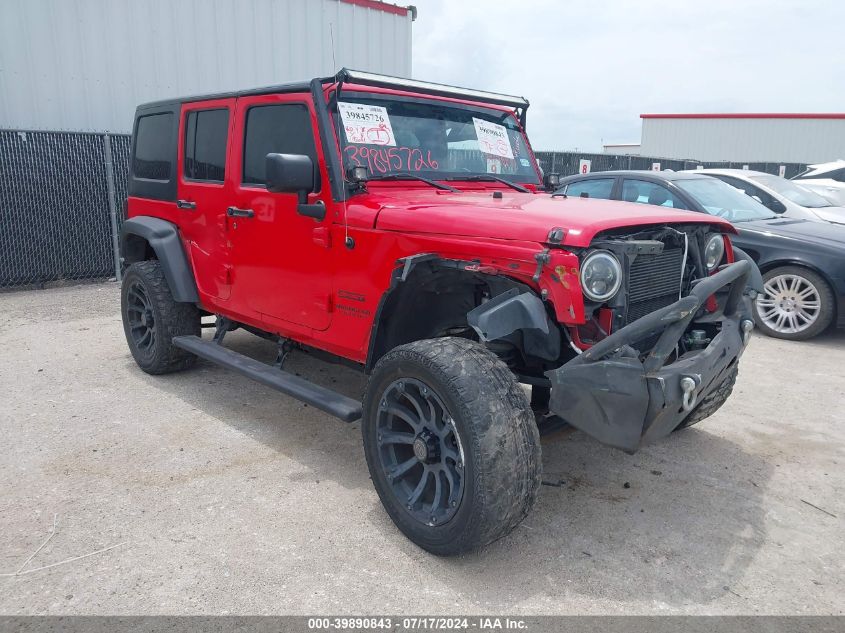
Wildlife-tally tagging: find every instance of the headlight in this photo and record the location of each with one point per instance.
(714, 251)
(601, 275)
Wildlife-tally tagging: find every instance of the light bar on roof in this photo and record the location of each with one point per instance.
(386, 81)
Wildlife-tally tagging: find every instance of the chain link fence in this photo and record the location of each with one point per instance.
(61, 205)
(63, 200)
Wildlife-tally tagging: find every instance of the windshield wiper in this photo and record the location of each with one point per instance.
(491, 178)
(406, 176)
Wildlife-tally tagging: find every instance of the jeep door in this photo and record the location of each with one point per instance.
(281, 258)
(205, 133)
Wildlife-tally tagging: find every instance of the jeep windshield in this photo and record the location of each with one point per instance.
(392, 136)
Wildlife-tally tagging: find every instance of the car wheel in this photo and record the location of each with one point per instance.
(151, 318)
(796, 304)
(450, 443)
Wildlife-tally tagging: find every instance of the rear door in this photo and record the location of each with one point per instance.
(204, 143)
(280, 258)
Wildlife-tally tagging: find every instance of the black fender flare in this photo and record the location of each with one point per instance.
(163, 238)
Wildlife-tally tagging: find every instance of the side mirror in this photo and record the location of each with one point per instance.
(294, 173)
(777, 206)
(289, 173)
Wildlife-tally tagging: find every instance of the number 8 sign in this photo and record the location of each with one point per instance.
(584, 166)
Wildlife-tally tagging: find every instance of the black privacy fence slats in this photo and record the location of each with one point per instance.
(54, 208)
(55, 219)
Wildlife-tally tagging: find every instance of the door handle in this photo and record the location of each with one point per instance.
(185, 204)
(234, 212)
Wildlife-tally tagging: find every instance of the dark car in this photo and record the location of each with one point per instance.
(803, 262)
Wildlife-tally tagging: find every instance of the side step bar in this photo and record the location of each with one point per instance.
(319, 397)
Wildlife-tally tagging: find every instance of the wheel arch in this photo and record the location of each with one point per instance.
(784, 262)
(429, 296)
(143, 238)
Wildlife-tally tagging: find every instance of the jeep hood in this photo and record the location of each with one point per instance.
(524, 216)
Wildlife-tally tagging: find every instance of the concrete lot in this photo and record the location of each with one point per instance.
(230, 498)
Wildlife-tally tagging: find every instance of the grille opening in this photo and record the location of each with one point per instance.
(653, 282)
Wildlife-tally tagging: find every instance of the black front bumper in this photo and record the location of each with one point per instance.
(609, 393)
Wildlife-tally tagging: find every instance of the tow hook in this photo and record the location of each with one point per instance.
(689, 384)
(747, 327)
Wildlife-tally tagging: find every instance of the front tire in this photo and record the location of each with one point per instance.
(451, 444)
(151, 318)
(796, 304)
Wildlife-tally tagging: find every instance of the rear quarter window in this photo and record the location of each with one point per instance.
(152, 162)
(152, 159)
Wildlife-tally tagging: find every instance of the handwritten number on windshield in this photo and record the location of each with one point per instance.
(382, 160)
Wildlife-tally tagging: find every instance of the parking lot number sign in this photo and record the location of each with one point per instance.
(782, 171)
(655, 167)
(584, 166)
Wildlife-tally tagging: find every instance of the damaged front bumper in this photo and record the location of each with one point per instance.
(609, 393)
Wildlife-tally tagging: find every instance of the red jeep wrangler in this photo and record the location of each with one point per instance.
(404, 226)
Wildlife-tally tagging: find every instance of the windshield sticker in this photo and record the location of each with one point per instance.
(494, 166)
(366, 124)
(525, 162)
(492, 138)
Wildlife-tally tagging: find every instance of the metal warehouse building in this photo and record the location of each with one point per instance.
(83, 65)
(788, 138)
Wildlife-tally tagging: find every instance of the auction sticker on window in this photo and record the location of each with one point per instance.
(366, 124)
(492, 138)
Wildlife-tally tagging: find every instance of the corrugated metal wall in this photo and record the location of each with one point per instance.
(748, 140)
(84, 65)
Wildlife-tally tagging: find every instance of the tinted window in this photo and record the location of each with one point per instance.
(754, 191)
(281, 129)
(205, 144)
(719, 198)
(597, 188)
(152, 147)
(650, 193)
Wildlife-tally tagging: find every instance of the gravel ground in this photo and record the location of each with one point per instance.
(225, 497)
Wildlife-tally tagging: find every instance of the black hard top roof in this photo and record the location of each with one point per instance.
(300, 86)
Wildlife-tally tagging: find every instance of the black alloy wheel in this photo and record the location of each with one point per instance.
(141, 318)
(420, 451)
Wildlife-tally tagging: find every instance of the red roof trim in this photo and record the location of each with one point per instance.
(750, 115)
(379, 6)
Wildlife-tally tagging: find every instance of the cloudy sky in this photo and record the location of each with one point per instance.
(590, 69)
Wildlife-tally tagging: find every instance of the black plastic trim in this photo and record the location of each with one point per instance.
(321, 398)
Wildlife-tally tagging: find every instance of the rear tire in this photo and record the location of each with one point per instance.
(151, 318)
(796, 304)
(450, 487)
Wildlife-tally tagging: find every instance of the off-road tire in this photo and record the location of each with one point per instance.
(712, 401)
(827, 309)
(497, 431)
(171, 319)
